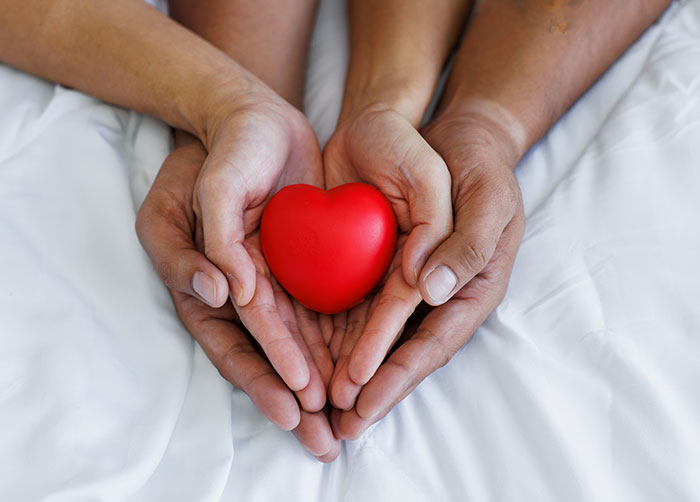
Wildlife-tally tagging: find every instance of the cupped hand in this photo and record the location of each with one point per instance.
(379, 146)
(256, 148)
(166, 226)
(479, 255)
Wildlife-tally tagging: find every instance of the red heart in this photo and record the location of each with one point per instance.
(328, 249)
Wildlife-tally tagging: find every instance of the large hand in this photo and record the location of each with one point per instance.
(380, 147)
(479, 255)
(256, 149)
(166, 227)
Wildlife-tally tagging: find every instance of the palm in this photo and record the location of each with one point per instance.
(263, 149)
(366, 150)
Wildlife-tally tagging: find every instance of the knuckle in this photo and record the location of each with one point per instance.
(472, 258)
(209, 182)
(508, 198)
(231, 359)
(262, 310)
(161, 206)
(390, 300)
(216, 253)
(191, 311)
(442, 351)
(167, 273)
(402, 367)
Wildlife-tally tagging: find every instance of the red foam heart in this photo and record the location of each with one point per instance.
(328, 249)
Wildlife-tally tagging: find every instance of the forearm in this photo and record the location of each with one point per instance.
(124, 52)
(397, 51)
(523, 64)
(267, 37)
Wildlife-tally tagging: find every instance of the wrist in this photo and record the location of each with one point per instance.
(481, 129)
(214, 94)
(189, 145)
(407, 97)
(489, 123)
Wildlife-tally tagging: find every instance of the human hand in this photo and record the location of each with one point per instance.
(480, 253)
(379, 146)
(256, 148)
(166, 226)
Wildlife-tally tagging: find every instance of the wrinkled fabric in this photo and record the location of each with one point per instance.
(582, 385)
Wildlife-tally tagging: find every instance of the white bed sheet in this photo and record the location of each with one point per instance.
(583, 385)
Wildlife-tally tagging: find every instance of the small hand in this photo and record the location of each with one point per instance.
(166, 226)
(380, 147)
(256, 149)
(480, 254)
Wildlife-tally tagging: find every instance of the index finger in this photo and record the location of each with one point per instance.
(238, 360)
(261, 318)
(396, 303)
(419, 356)
(393, 307)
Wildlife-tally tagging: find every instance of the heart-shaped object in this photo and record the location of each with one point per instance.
(328, 249)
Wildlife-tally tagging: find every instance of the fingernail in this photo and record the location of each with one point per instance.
(205, 286)
(440, 283)
(236, 289)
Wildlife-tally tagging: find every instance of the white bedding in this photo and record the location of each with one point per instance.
(583, 385)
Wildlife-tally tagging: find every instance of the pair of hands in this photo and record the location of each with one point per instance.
(457, 203)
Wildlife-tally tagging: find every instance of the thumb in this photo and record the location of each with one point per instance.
(430, 209)
(225, 201)
(478, 228)
(173, 254)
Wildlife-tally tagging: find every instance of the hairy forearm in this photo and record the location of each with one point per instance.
(522, 64)
(397, 50)
(267, 37)
(124, 52)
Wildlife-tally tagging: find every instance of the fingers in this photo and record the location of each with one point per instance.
(396, 303)
(315, 434)
(311, 329)
(444, 331)
(164, 227)
(370, 345)
(406, 367)
(263, 321)
(180, 266)
(343, 390)
(312, 397)
(221, 200)
(335, 344)
(238, 360)
(480, 217)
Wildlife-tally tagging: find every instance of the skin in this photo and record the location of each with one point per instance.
(520, 66)
(193, 86)
(271, 41)
(397, 51)
(166, 225)
(130, 54)
(99, 49)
